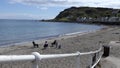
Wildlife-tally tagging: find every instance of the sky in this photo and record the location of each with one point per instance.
(46, 9)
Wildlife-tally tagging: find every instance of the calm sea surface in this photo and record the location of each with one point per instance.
(16, 31)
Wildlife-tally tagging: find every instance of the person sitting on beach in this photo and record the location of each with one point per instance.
(54, 43)
(35, 45)
(45, 45)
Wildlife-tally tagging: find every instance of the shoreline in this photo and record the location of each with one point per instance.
(52, 37)
(29, 44)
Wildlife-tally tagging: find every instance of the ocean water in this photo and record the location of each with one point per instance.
(16, 31)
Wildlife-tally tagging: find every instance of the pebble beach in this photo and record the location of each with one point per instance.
(69, 44)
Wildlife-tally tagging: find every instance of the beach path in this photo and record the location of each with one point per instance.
(114, 60)
(110, 62)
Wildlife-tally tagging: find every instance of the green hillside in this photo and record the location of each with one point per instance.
(73, 13)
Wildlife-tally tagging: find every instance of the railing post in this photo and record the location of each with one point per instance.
(36, 61)
(94, 59)
(91, 58)
(35, 64)
(78, 60)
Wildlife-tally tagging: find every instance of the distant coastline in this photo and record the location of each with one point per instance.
(88, 15)
(86, 22)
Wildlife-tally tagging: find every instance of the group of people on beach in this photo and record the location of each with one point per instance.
(53, 44)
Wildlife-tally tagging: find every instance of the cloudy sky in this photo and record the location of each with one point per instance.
(46, 9)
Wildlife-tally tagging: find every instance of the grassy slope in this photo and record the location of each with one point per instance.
(71, 14)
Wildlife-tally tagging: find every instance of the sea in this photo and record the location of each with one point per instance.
(18, 31)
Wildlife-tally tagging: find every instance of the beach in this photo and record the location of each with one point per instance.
(69, 44)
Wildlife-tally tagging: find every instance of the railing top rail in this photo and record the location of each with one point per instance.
(91, 52)
(7, 58)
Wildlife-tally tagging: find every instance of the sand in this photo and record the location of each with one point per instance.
(69, 44)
